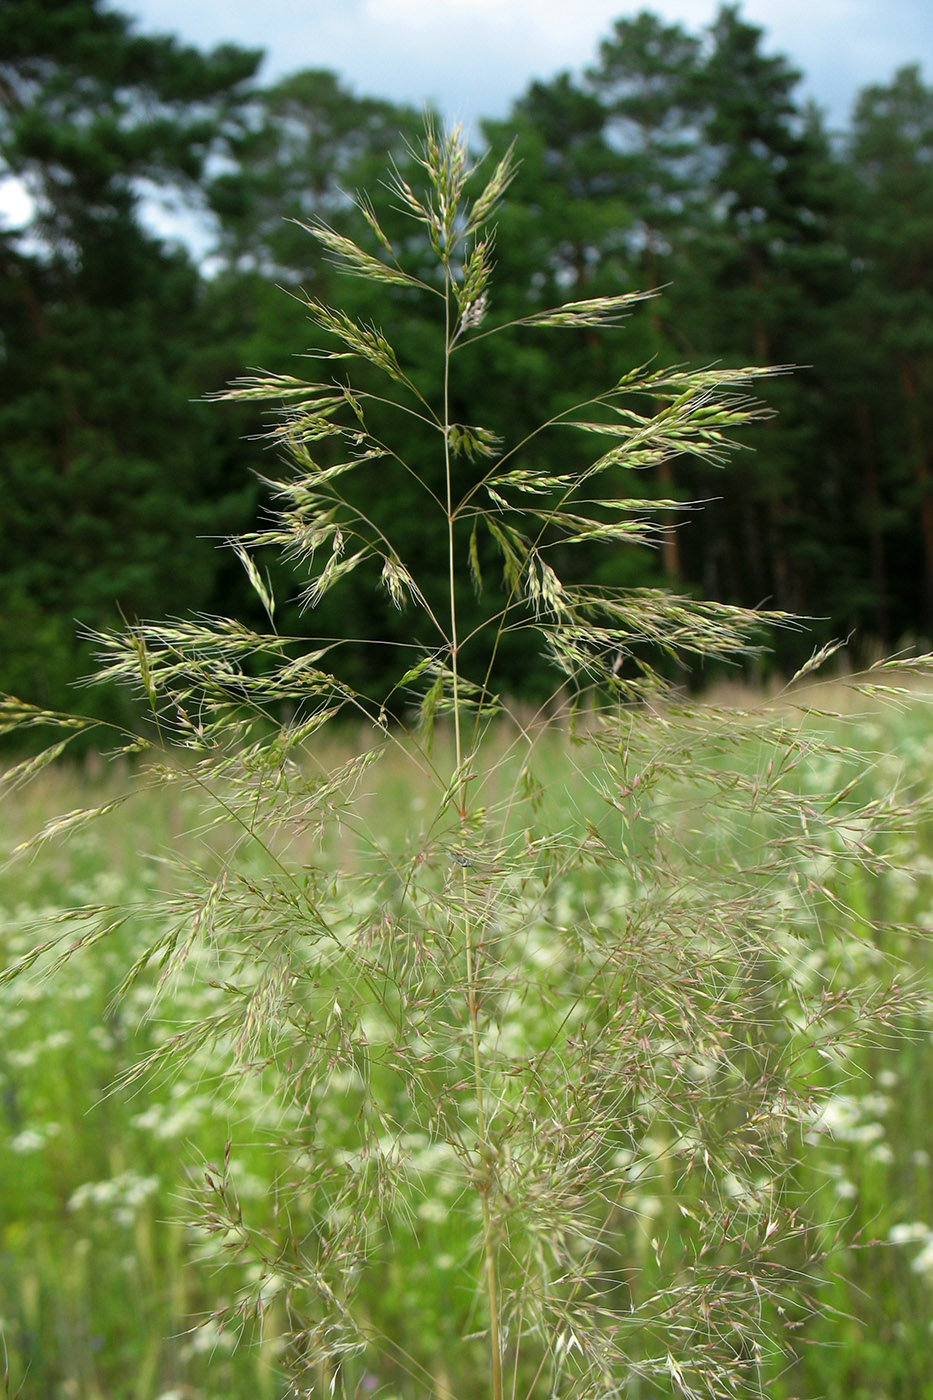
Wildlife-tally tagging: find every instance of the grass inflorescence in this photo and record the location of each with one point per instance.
(510, 1040)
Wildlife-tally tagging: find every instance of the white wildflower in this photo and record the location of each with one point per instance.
(923, 1264)
(882, 1153)
(28, 1140)
(909, 1232)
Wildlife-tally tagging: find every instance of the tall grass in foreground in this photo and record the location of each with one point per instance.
(565, 1035)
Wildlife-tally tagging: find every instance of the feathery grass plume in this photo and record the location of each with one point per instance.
(547, 1053)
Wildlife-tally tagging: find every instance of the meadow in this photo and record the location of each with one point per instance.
(114, 1286)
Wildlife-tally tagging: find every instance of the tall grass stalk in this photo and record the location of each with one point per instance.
(546, 1054)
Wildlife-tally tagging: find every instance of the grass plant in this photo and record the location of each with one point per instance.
(534, 1018)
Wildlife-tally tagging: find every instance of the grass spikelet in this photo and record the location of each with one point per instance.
(349, 257)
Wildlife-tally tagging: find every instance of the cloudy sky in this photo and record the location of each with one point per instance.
(471, 57)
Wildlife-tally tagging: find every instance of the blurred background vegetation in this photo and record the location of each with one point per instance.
(683, 160)
(679, 160)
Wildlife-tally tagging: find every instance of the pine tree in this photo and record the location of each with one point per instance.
(104, 460)
(764, 266)
(890, 328)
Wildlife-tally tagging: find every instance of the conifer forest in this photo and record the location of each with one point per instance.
(681, 161)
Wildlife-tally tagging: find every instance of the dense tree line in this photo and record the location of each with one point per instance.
(679, 161)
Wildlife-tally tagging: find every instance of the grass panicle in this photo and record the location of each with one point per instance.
(541, 1054)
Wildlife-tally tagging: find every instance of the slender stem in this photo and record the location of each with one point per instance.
(470, 953)
(451, 573)
(492, 1288)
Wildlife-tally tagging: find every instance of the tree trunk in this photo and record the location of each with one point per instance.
(876, 553)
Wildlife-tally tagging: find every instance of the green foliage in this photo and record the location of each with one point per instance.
(89, 107)
(891, 303)
(310, 142)
(105, 463)
(486, 1032)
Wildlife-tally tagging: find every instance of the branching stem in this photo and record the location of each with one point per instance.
(470, 953)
